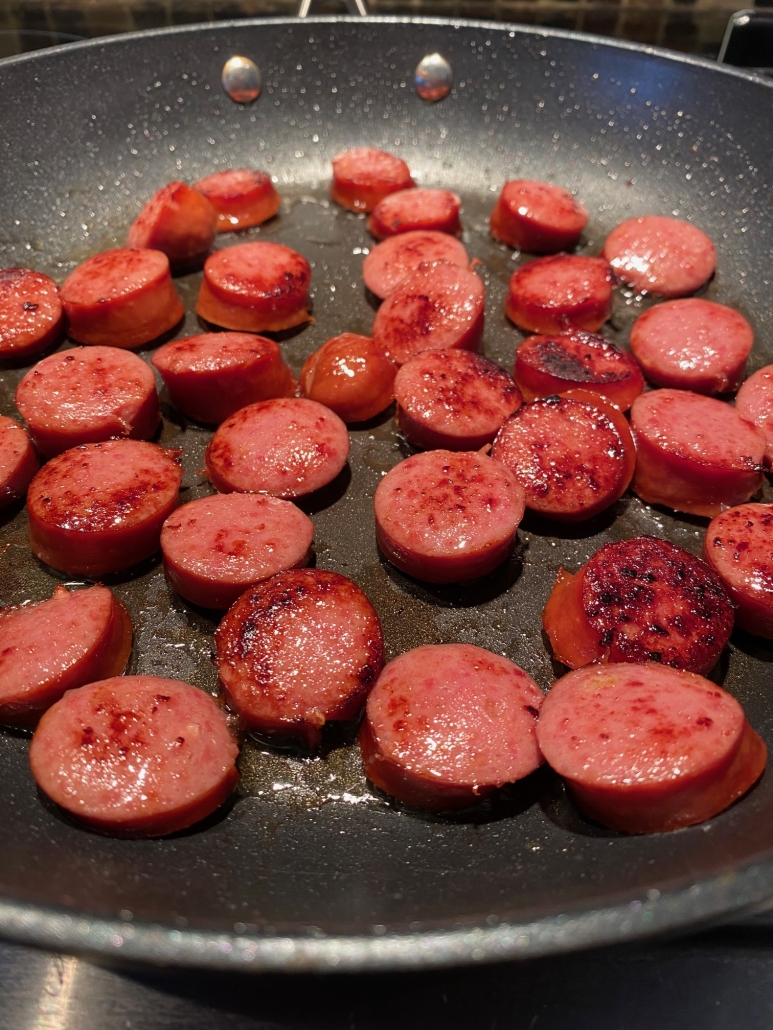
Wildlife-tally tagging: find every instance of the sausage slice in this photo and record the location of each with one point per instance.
(390, 262)
(537, 217)
(648, 749)
(351, 376)
(739, 548)
(694, 453)
(364, 176)
(135, 756)
(640, 600)
(178, 221)
(240, 197)
(211, 376)
(49, 647)
(298, 651)
(18, 461)
(447, 516)
(448, 724)
(754, 402)
(453, 399)
(87, 395)
(216, 547)
(255, 287)
(558, 293)
(285, 447)
(99, 508)
(411, 210)
(31, 316)
(660, 255)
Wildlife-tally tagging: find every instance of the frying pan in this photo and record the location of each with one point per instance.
(309, 868)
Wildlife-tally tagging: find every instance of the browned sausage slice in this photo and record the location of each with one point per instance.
(18, 461)
(390, 262)
(31, 317)
(739, 547)
(241, 197)
(135, 756)
(87, 395)
(411, 210)
(178, 221)
(660, 255)
(56, 645)
(447, 724)
(216, 547)
(537, 217)
(99, 508)
(647, 749)
(351, 376)
(300, 650)
(754, 402)
(559, 293)
(364, 176)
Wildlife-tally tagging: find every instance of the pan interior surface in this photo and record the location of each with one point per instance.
(307, 850)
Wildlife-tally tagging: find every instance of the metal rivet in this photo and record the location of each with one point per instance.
(433, 77)
(241, 80)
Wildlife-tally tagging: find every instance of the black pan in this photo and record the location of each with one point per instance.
(308, 868)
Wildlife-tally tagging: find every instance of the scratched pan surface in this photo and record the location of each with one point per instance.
(308, 867)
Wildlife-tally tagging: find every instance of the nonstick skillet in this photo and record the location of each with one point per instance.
(308, 868)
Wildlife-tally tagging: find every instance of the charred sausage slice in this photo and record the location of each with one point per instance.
(241, 197)
(87, 395)
(640, 600)
(18, 461)
(135, 756)
(754, 402)
(56, 645)
(300, 650)
(364, 176)
(559, 293)
(411, 210)
(739, 547)
(178, 221)
(647, 749)
(537, 217)
(216, 547)
(99, 508)
(390, 262)
(447, 516)
(694, 453)
(448, 724)
(31, 317)
(660, 255)
(351, 376)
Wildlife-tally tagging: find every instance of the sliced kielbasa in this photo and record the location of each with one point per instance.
(561, 292)
(448, 724)
(545, 365)
(694, 453)
(287, 447)
(647, 749)
(640, 600)
(18, 461)
(87, 395)
(453, 399)
(351, 376)
(99, 508)
(537, 217)
(121, 298)
(55, 645)
(739, 547)
(216, 547)
(212, 375)
(364, 176)
(178, 221)
(437, 307)
(693, 345)
(754, 402)
(447, 516)
(411, 210)
(299, 650)
(31, 316)
(572, 458)
(390, 262)
(241, 197)
(255, 287)
(660, 255)
(135, 756)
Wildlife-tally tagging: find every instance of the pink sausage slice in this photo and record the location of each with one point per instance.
(31, 317)
(99, 508)
(694, 453)
(300, 650)
(121, 298)
(241, 197)
(216, 547)
(411, 210)
(364, 176)
(287, 447)
(18, 461)
(537, 217)
(739, 547)
(559, 293)
(453, 399)
(55, 645)
(448, 724)
(447, 516)
(211, 376)
(754, 402)
(692, 345)
(87, 395)
(437, 307)
(178, 221)
(135, 756)
(660, 255)
(645, 749)
(390, 262)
